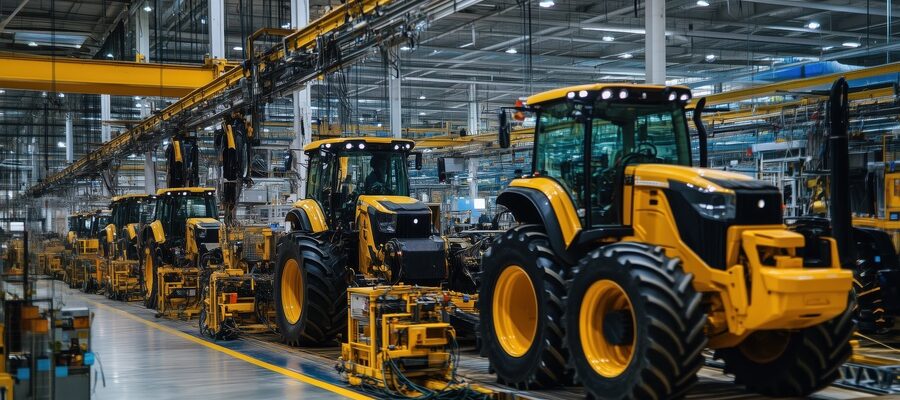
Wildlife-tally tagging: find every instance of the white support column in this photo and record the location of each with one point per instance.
(655, 40)
(394, 95)
(70, 139)
(473, 179)
(142, 34)
(302, 103)
(473, 110)
(48, 216)
(217, 29)
(105, 116)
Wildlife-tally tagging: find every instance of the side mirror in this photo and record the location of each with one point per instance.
(418, 161)
(503, 133)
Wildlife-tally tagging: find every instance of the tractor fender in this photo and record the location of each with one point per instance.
(308, 216)
(533, 206)
(109, 233)
(154, 231)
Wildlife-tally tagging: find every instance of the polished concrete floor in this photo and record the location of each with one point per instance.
(140, 361)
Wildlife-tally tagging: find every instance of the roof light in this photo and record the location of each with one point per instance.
(327, 145)
(396, 147)
(851, 44)
(349, 146)
(684, 97)
(408, 146)
(608, 38)
(623, 94)
(362, 146)
(511, 50)
(570, 95)
(702, 3)
(672, 96)
(546, 3)
(813, 25)
(606, 94)
(626, 56)
(582, 93)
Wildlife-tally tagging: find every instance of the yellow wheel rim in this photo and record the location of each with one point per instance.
(515, 311)
(763, 347)
(607, 359)
(291, 291)
(148, 271)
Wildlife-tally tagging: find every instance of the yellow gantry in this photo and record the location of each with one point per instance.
(121, 78)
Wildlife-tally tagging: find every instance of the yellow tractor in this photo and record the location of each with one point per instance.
(51, 257)
(357, 226)
(628, 261)
(119, 244)
(14, 257)
(84, 245)
(95, 268)
(183, 232)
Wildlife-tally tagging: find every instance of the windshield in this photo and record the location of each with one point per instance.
(178, 208)
(620, 134)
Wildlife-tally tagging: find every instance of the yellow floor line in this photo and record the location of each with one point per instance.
(271, 367)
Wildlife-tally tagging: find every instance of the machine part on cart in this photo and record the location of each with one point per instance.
(630, 261)
(399, 346)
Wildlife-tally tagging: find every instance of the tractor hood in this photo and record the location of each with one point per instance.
(394, 204)
(707, 180)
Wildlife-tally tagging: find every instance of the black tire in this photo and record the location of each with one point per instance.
(809, 360)
(869, 311)
(322, 314)
(664, 328)
(150, 261)
(544, 363)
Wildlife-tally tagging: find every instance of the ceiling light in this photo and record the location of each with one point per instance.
(265, 130)
(147, 8)
(422, 113)
(850, 44)
(286, 26)
(137, 97)
(32, 44)
(405, 48)
(2, 91)
(61, 95)
(237, 48)
(608, 38)
(422, 97)
(511, 50)
(710, 57)
(61, 145)
(203, 21)
(702, 3)
(109, 55)
(826, 48)
(813, 25)
(43, 94)
(546, 3)
(626, 56)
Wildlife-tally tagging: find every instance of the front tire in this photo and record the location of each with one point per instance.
(310, 290)
(634, 324)
(148, 276)
(521, 307)
(792, 363)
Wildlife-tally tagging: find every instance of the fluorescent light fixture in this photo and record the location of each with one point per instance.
(710, 57)
(265, 130)
(286, 26)
(608, 38)
(422, 113)
(237, 48)
(405, 48)
(826, 48)
(851, 44)
(511, 50)
(147, 8)
(203, 21)
(109, 55)
(137, 97)
(32, 44)
(61, 145)
(546, 3)
(626, 56)
(813, 25)
(2, 91)
(422, 97)
(702, 3)
(61, 95)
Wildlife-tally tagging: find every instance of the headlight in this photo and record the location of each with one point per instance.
(708, 203)
(387, 223)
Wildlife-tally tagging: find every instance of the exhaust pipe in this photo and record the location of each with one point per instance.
(701, 131)
(838, 142)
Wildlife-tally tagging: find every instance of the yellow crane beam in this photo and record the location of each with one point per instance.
(797, 84)
(121, 78)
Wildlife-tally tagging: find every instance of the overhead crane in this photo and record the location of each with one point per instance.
(120, 78)
(345, 34)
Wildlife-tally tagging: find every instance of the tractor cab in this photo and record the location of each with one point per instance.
(185, 223)
(129, 213)
(342, 170)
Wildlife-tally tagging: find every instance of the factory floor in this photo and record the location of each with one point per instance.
(142, 357)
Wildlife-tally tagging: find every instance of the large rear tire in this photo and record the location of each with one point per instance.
(634, 324)
(310, 290)
(148, 275)
(521, 304)
(792, 363)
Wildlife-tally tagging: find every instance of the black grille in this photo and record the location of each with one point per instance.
(757, 204)
(413, 225)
